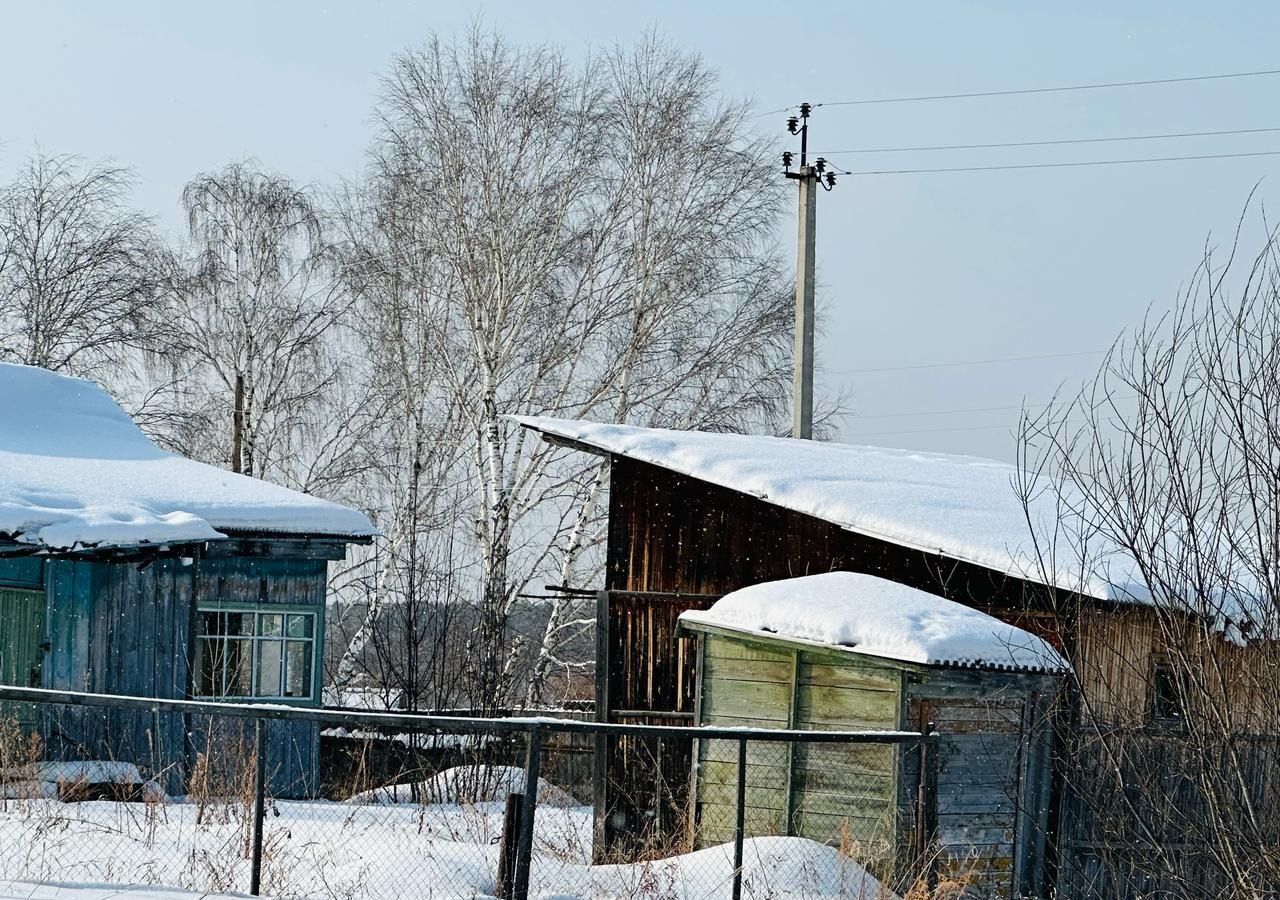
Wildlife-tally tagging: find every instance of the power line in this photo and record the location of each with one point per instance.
(1054, 143)
(979, 409)
(1067, 165)
(969, 362)
(1049, 90)
(866, 434)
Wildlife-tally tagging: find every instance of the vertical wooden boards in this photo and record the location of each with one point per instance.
(987, 835)
(21, 656)
(651, 674)
(125, 628)
(743, 685)
(669, 533)
(843, 794)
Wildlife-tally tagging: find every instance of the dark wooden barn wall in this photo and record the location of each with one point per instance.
(116, 628)
(669, 532)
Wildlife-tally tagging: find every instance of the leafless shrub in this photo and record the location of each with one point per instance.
(1172, 505)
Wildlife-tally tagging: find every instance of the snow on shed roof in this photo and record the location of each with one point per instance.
(961, 507)
(76, 472)
(877, 617)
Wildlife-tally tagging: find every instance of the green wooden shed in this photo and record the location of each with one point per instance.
(846, 651)
(125, 569)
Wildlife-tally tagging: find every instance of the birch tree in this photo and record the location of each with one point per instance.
(592, 241)
(409, 586)
(78, 270)
(251, 309)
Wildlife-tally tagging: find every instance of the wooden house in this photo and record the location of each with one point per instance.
(694, 515)
(844, 651)
(125, 569)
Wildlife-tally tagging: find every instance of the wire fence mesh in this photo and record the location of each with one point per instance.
(300, 802)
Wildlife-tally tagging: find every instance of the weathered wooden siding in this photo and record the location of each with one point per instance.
(122, 628)
(668, 532)
(993, 776)
(117, 629)
(21, 634)
(834, 793)
(992, 767)
(742, 686)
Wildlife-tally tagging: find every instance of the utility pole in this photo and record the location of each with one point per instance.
(808, 177)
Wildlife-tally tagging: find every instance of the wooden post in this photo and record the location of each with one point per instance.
(739, 825)
(793, 721)
(259, 803)
(603, 743)
(927, 801)
(524, 849)
(512, 817)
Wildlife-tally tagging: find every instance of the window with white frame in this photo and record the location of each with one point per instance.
(255, 653)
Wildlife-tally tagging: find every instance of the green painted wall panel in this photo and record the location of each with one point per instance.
(837, 791)
(21, 632)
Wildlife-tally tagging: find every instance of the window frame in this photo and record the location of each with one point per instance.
(1165, 709)
(254, 639)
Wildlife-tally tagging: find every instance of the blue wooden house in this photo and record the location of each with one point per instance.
(125, 569)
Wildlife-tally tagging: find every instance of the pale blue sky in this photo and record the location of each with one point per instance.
(915, 269)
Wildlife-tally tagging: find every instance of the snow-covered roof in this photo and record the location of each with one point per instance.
(76, 472)
(961, 507)
(876, 617)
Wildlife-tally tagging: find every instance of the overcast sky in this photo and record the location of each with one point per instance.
(915, 270)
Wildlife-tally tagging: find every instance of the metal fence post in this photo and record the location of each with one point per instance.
(524, 850)
(259, 803)
(739, 825)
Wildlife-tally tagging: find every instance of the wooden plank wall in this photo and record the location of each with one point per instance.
(992, 777)
(121, 628)
(742, 686)
(115, 629)
(994, 773)
(841, 794)
(847, 794)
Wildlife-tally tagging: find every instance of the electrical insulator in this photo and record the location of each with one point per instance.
(831, 179)
(787, 156)
(793, 124)
(804, 110)
(820, 165)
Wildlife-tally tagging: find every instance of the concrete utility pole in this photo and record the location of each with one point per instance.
(809, 177)
(802, 355)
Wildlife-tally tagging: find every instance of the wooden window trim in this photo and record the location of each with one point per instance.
(254, 639)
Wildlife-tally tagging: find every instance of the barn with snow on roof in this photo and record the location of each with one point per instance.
(696, 515)
(125, 569)
(848, 651)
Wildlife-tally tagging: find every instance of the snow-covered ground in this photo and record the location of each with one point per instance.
(26, 890)
(94, 850)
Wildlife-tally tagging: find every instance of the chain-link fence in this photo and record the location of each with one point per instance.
(216, 798)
